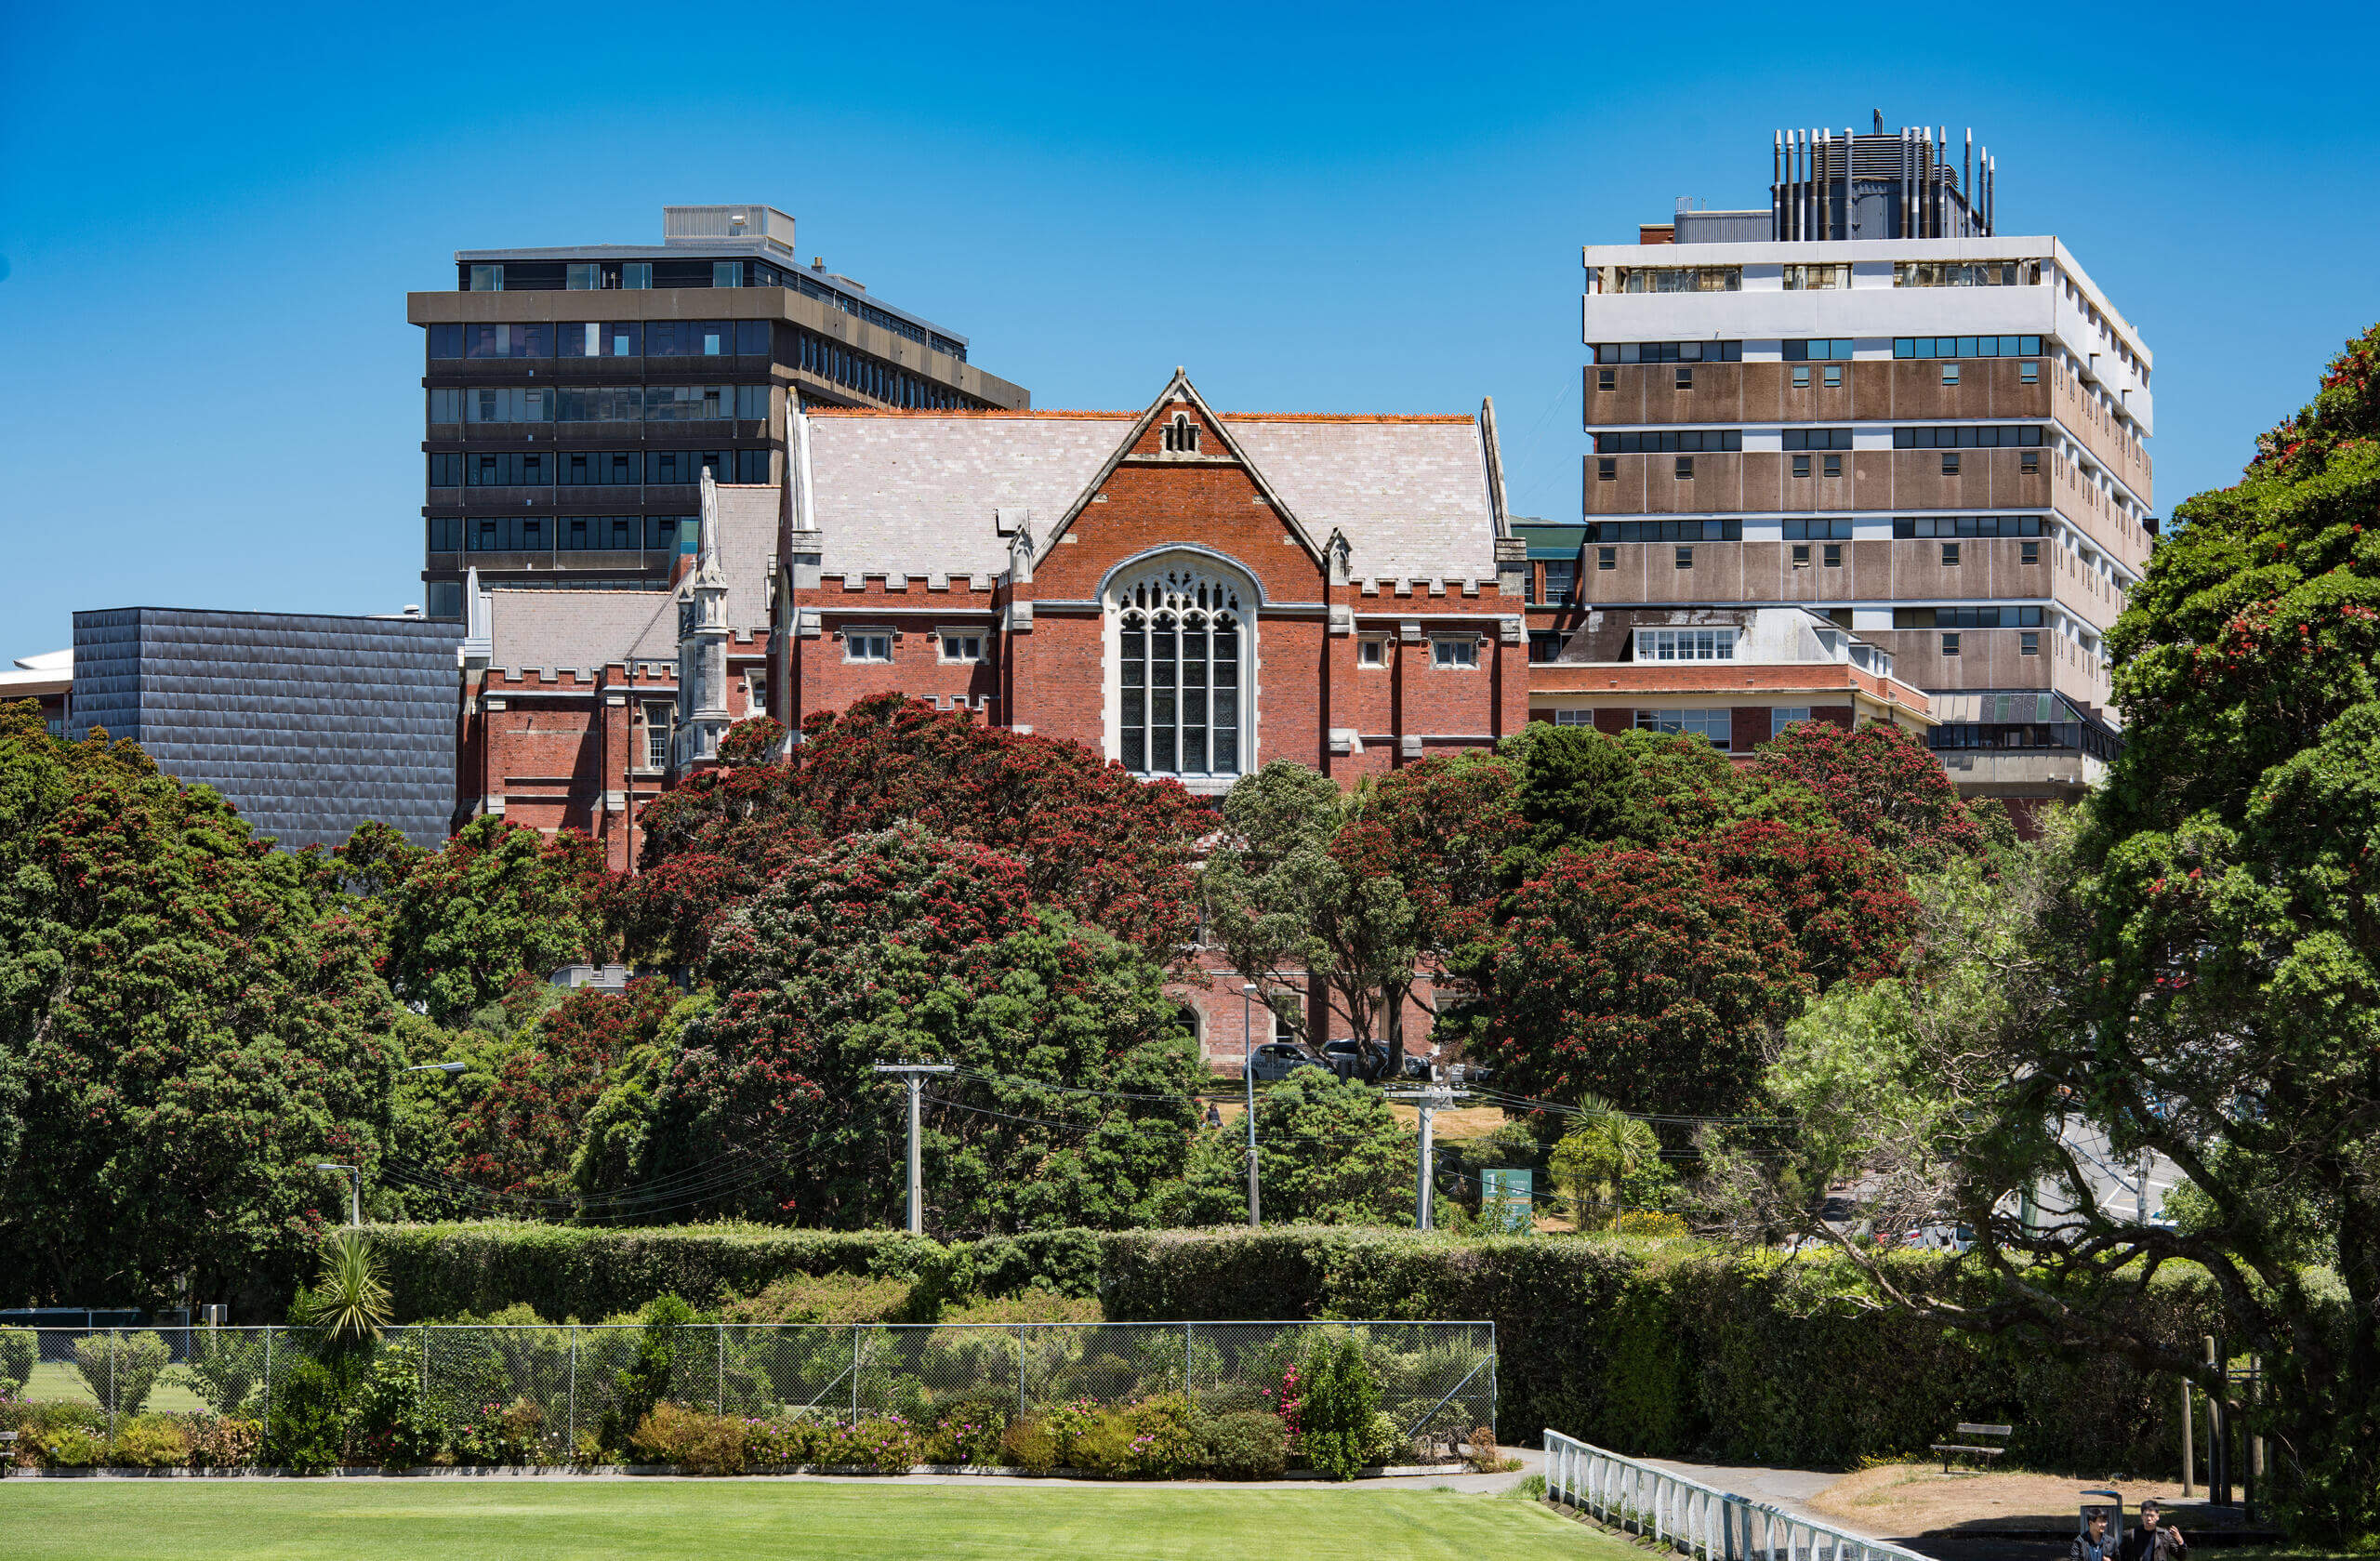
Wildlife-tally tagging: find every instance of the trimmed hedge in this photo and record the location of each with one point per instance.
(1645, 1347)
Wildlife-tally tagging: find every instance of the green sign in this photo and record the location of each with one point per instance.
(1506, 1202)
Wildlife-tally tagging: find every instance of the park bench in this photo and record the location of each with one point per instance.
(1970, 1447)
(7, 1452)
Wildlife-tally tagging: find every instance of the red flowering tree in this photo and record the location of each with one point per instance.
(1883, 787)
(1846, 906)
(1642, 976)
(519, 1136)
(1112, 849)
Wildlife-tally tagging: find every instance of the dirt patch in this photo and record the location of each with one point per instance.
(1904, 1498)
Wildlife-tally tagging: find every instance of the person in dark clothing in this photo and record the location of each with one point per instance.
(1214, 1117)
(2152, 1541)
(2094, 1543)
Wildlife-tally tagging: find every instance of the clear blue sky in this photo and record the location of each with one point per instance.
(211, 216)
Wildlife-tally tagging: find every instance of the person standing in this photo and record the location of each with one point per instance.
(2152, 1541)
(2092, 1543)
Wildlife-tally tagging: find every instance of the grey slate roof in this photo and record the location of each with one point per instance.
(913, 492)
(551, 630)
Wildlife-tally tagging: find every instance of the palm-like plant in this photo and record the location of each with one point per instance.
(1603, 1151)
(351, 1297)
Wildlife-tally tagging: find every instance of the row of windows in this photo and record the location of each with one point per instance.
(1966, 273)
(1966, 617)
(1833, 465)
(1670, 353)
(1823, 277)
(1818, 439)
(876, 644)
(591, 276)
(1968, 438)
(2028, 734)
(534, 533)
(2029, 643)
(598, 403)
(1906, 527)
(1966, 347)
(1835, 528)
(1669, 440)
(1677, 278)
(1818, 349)
(1665, 531)
(591, 339)
(616, 469)
(1685, 644)
(1561, 581)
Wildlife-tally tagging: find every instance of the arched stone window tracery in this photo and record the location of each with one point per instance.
(1182, 641)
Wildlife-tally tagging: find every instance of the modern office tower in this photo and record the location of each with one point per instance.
(1867, 401)
(574, 396)
(309, 724)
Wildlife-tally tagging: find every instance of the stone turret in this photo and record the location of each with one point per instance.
(703, 633)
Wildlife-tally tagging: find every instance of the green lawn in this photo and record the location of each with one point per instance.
(506, 1520)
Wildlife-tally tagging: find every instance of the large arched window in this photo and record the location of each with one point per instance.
(1181, 639)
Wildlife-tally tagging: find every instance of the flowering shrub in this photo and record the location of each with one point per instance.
(72, 1447)
(698, 1443)
(1252, 1445)
(502, 1435)
(226, 1442)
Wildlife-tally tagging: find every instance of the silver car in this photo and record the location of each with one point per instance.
(1278, 1059)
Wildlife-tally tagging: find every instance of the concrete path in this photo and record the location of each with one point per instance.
(1787, 1489)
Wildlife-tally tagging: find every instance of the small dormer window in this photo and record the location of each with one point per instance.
(1181, 434)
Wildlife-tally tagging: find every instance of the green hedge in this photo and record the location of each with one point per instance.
(1640, 1346)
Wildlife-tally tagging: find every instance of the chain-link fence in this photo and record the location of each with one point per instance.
(1437, 1380)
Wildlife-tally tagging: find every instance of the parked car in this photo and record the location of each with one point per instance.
(1355, 1058)
(1278, 1059)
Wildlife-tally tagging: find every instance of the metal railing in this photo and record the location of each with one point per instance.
(1686, 1515)
(1436, 1379)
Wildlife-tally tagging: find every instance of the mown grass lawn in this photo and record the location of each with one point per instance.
(505, 1521)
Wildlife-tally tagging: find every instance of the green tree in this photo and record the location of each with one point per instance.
(186, 1027)
(1595, 1160)
(500, 901)
(1329, 1151)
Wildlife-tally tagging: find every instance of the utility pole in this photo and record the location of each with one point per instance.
(915, 1073)
(1248, 1077)
(354, 1192)
(1428, 1101)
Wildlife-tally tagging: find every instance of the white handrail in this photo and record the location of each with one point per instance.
(1699, 1519)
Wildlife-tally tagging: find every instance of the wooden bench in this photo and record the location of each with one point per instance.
(7, 1452)
(1952, 1449)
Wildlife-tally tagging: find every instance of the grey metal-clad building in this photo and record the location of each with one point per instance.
(308, 724)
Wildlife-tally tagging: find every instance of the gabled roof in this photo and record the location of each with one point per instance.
(920, 493)
(539, 630)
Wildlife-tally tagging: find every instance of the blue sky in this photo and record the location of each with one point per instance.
(210, 217)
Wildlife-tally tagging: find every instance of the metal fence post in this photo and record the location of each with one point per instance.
(1020, 1371)
(113, 1336)
(720, 1332)
(855, 1327)
(267, 1374)
(573, 1430)
(1187, 1392)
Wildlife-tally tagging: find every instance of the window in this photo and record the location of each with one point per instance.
(1835, 376)
(1544, 646)
(445, 534)
(1833, 467)
(446, 341)
(1971, 273)
(1371, 651)
(1818, 439)
(1968, 437)
(684, 467)
(1924, 526)
(1709, 725)
(487, 279)
(1950, 644)
(1677, 278)
(2028, 464)
(1684, 469)
(756, 695)
(961, 646)
(509, 341)
(1665, 531)
(1949, 374)
(1782, 716)
(1801, 555)
(1453, 655)
(1966, 346)
(2028, 373)
(727, 273)
(1606, 470)
(868, 645)
(595, 338)
(1838, 529)
(1561, 581)
(507, 534)
(1800, 279)
(494, 470)
(503, 404)
(2029, 643)
(636, 273)
(1819, 349)
(1949, 463)
(445, 472)
(1181, 434)
(1685, 559)
(752, 404)
(446, 600)
(1801, 465)
(610, 534)
(1801, 377)
(1606, 380)
(2028, 553)
(1966, 617)
(753, 466)
(1685, 378)
(656, 735)
(1685, 644)
(1950, 555)
(1574, 718)
(1833, 559)
(1670, 353)
(661, 532)
(665, 404)
(1691, 440)
(582, 276)
(1607, 558)
(1179, 655)
(600, 403)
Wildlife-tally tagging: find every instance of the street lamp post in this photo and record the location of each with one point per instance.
(1247, 1077)
(354, 1192)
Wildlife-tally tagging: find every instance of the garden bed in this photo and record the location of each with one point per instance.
(565, 1471)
